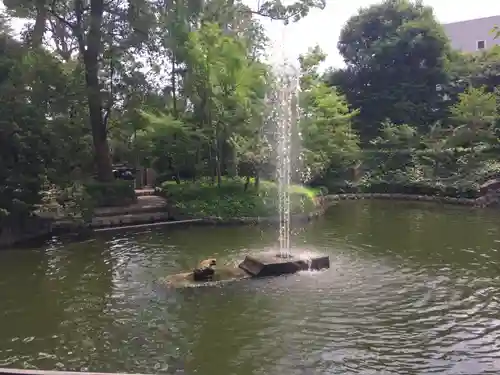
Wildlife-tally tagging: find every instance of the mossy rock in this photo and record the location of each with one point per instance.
(185, 279)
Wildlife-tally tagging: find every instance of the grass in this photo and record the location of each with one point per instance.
(203, 199)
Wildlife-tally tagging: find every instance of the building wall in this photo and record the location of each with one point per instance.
(465, 35)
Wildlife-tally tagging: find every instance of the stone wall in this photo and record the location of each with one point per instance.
(14, 233)
(403, 197)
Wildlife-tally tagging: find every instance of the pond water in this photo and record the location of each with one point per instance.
(413, 289)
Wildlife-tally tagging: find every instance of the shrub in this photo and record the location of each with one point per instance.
(231, 200)
(69, 201)
(163, 177)
(111, 194)
(434, 188)
(341, 187)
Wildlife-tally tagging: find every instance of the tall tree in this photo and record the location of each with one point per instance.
(107, 37)
(396, 56)
(328, 139)
(34, 9)
(30, 86)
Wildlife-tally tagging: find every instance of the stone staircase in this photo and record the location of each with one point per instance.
(149, 208)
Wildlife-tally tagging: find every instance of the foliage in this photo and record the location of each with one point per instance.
(69, 202)
(478, 70)
(424, 188)
(109, 194)
(474, 116)
(232, 200)
(177, 84)
(293, 12)
(27, 91)
(183, 86)
(165, 144)
(328, 140)
(396, 57)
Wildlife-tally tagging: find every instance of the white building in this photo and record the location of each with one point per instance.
(473, 35)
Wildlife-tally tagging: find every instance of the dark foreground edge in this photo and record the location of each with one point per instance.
(13, 371)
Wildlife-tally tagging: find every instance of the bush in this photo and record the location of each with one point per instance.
(111, 194)
(341, 187)
(69, 201)
(430, 188)
(231, 200)
(163, 177)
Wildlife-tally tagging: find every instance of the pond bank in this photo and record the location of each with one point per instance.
(122, 218)
(127, 222)
(488, 200)
(152, 210)
(404, 197)
(215, 220)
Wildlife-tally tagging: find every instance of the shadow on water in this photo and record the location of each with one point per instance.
(412, 289)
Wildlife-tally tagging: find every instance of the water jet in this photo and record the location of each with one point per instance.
(286, 118)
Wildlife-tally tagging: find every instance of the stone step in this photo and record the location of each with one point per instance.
(145, 192)
(145, 204)
(131, 219)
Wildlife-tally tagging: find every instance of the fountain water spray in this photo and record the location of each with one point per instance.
(283, 105)
(284, 119)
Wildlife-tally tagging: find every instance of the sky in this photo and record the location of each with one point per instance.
(322, 27)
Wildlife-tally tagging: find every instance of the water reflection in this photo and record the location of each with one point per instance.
(412, 289)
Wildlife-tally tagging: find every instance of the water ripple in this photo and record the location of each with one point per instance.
(397, 300)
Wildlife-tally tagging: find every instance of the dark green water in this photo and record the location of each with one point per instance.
(413, 289)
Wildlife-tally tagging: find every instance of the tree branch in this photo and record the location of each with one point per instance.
(78, 30)
(271, 17)
(53, 13)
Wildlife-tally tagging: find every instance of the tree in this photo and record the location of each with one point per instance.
(481, 69)
(396, 56)
(34, 9)
(30, 83)
(107, 32)
(328, 140)
(475, 116)
(168, 145)
(223, 83)
(275, 9)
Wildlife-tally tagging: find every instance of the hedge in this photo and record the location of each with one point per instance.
(464, 190)
(111, 194)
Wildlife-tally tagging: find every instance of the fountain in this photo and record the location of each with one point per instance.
(286, 93)
(284, 117)
(286, 120)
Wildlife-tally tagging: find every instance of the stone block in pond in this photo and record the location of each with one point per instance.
(263, 265)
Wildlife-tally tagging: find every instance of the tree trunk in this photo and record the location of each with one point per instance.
(40, 20)
(211, 162)
(98, 125)
(218, 156)
(174, 88)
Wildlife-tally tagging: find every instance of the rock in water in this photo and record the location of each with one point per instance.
(207, 263)
(206, 272)
(203, 274)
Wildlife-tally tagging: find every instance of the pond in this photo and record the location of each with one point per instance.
(413, 289)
